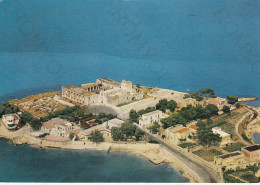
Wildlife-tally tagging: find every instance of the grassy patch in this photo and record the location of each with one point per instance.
(208, 155)
(234, 147)
(186, 145)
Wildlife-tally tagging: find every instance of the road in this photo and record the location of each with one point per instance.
(206, 174)
(252, 111)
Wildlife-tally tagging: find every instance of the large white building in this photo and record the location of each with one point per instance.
(104, 91)
(150, 118)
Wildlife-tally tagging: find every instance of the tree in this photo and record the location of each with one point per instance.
(232, 99)
(154, 128)
(96, 137)
(128, 129)
(173, 120)
(84, 125)
(117, 134)
(209, 121)
(238, 105)
(226, 109)
(172, 105)
(162, 105)
(213, 109)
(133, 116)
(71, 136)
(138, 134)
(201, 124)
(208, 92)
(207, 138)
(35, 124)
(138, 86)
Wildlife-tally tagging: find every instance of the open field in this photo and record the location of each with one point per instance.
(234, 147)
(233, 118)
(40, 105)
(207, 153)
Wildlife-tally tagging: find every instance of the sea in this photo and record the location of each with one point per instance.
(181, 45)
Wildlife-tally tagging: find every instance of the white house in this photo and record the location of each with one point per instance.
(11, 121)
(225, 137)
(114, 123)
(150, 118)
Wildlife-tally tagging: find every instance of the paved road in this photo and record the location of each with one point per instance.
(206, 174)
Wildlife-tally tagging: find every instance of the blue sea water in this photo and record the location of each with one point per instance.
(26, 164)
(256, 138)
(172, 44)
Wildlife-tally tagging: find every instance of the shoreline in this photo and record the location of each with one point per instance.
(151, 152)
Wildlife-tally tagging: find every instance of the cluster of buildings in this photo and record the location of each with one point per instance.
(248, 155)
(104, 91)
(58, 129)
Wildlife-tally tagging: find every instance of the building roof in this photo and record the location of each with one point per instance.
(152, 113)
(252, 148)
(51, 123)
(89, 85)
(229, 155)
(220, 132)
(194, 127)
(182, 130)
(76, 131)
(11, 116)
(56, 138)
(115, 121)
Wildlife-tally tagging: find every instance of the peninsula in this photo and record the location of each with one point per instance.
(207, 137)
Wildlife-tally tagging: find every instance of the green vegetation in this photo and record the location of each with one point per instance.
(127, 131)
(247, 174)
(102, 117)
(71, 136)
(32, 121)
(226, 109)
(234, 147)
(238, 105)
(198, 95)
(228, 128)
(71, 113)
(138, 86)
(186, 145)
(207, 137)
(96, 137)
(208, 155)
(165, 104)
(6, 108)
(189, 113)
(229, 179)
(117, 134)
(134, 116)
(154, 128)
(232, 99)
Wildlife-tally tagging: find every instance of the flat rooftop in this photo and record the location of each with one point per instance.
(252, 148)
(229, 155)
(151, 113)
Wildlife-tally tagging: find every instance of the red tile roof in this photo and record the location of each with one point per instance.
(194, 127)
(182, 130)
